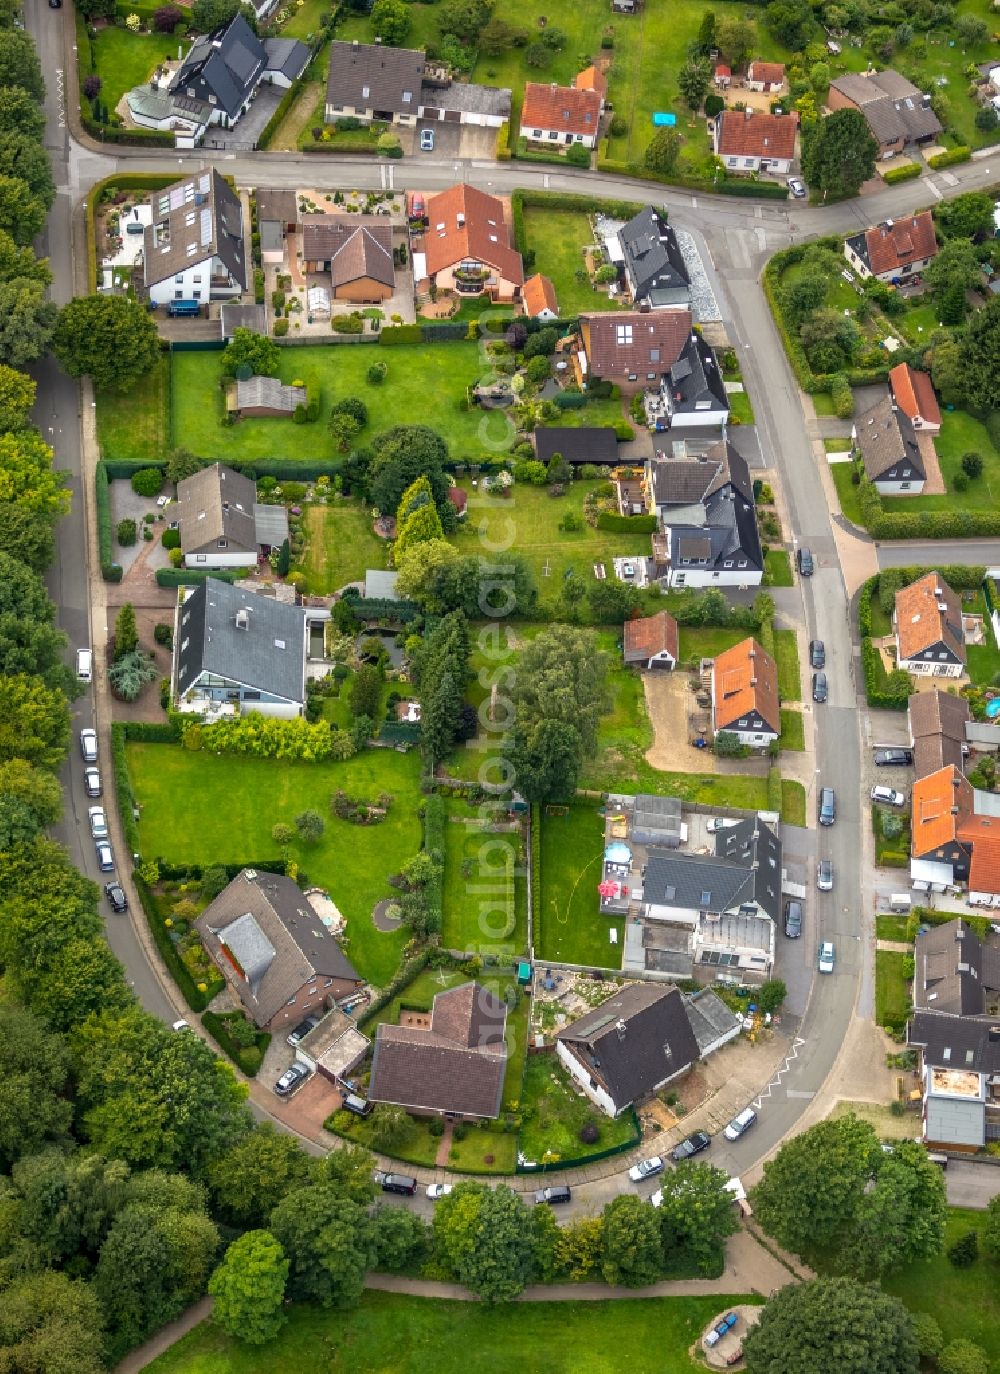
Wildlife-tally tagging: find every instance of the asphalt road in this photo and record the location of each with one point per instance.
(737, 236)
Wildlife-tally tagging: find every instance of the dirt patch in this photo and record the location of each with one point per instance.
(669, 702)
(723, 1354)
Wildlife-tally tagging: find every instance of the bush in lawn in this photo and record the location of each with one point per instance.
(389, 146)
(126, 533)
(310, 826)
(538, 368)
(972, 464)
(606, 274)
(964, 1251)
(543, 342)
(590, 1133)
(960, 481)
(436, 1127)
(92, 87)
(376, 374)
(930, 1337)
(531, 471)
(171, 539)
(578, 155)
(163, 634)
(147, 481)
(714, 104)
(459, 1131)
(571, 523)
(618, 127)
(963, 1357)
(892, 824)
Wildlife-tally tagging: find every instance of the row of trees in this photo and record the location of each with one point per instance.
(439, 667)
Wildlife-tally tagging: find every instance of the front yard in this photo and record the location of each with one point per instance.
(554, 1112)
(786, 652)
(340, 546)
(558, 238)
(134, 424)
(892, 988)
(123, 59)
(960, 434)
(199, 808)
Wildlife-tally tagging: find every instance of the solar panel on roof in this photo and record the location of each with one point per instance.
(204, 182)
(206, 227)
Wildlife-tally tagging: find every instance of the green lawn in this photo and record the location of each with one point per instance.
(919, 322)
(960, 434)
(707, 641)
(890, 927)
(892, 988)
(778, 569)
(740, 409)
(558, 238)
(793, 802)
(306, 18)
(553, 1113)
(419, 1147)
(793, 730)
(485, 888)
(387, 1333)
(124, 60)
(207, 809)
(787, 654)
(571, 926)
(822, 400)
(984, 659)
(133, 424)
(891, 851)
(340, 545)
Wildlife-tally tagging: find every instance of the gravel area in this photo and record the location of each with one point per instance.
(704, 306)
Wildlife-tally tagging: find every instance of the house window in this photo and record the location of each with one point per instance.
(552, 134)
(201, 557)
(905, 486)
(179, 278)
(728, 563)
(748, 162)
(579, 137)
(907, 472)
(536, 133)
(742, 722)
(946, 1053)
(178, 295)
(942, 655)
(196, 280)
(742, 563)
(407, 97)
(366, 91)
(633, 376)
(223, 543)
(650, 376)
(654, 355)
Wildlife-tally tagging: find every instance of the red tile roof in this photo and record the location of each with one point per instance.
(652, 634)
(564, 108)
(984, 871)
(901, 242)
(539, 294)
(928, 612)
(933, 822)
(913, 392)
(772, 73)
(590, 79)
(465, 223)
(746, 679)
(722, 69)
(619, 344)
(748, 133)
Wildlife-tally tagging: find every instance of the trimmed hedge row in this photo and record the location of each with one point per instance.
(403, 978)
(194, 577)
(924, 524)
(155, 732)
(907, 172)
(949, 157)
(626, 524)
(195, 998)
(536, 873)
(123, 787)
(502, 150)
(725, 186)
(271, 127)
(381, 608)
(394, 334)
(110, 570)
(247, 1058)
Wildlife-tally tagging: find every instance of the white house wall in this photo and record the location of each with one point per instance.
(219, 559)
(699, 419)
(579, 1074)
(706, 577)
(911, 487)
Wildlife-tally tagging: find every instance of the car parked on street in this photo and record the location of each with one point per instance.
(805, 561)
(893, 758)
(827, 806)
(888, 796)
(793, 919)
(105, 858)
(115, 894)
(554, 1196)
(98, 822)
(88, 745)
(796, 187)
(92, 782)
(291, 1080)
(820, 689)
(827, 957)
(817, 653)
(84, 665)
(436, 1191)
(824, 875)
(740, 1124)
(692, 1145)
(396, 1183)
(646, 1168)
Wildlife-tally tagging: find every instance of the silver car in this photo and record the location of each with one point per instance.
(646, 1168)
(88, 745)
(824, 875)
(98, 822)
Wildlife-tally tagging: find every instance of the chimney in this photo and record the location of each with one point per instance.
(748, 114)
(620, 1028)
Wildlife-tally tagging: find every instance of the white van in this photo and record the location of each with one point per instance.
(84, 665)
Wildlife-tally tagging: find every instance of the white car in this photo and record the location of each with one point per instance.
(796, 187)
(88, 745)
(646, 1168)
(105, 857)
(888, 796)
(740, 1124)
(92, 782)
(827, 957)
(98, 822)
(180, 1025)
(436, 1191)
(84, 664)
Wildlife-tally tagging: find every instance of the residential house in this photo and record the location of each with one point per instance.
(277, 217)
(357, 252)
(259, 397)
(625, 6)
(937, 723)
(888, 444)
(540, 298)
(372, 81)
(236, 651)
(222, 524)
(651, 641)
(467, 246)
(913, 393)
(629, 1046)
(692, 395)
(194, 249)
(588, 444)
(927, 618)
(630, 348)
(592, 79)
(745, 699)
(656, 821)
(752, 141)
(894, 250)
(896, 111)
(274, 951)
(765, 76)
(654, 268)
(722, 76)
(334, 1047)
(237, 314)
(561, 115)
(455, 1065)
(955, 837)
(464, 102)
(707, 517)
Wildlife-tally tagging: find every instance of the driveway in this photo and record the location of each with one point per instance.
(447, 139)
(251, 126)
(971, 1183)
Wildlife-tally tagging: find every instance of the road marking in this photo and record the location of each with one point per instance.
(776, 1080)
(934, 190)
(796, 1092)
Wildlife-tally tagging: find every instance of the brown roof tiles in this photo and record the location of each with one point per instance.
(929, 613)
(913, 392)
(746, 679)
(567, 109)
(626, 343)
(746, 133)
(899, 243)
(652, 634)
(462, 223)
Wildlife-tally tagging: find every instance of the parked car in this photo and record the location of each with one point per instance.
(360, 1106)
(740, 1124)
(893, 758)
(824, 875)
(716, 823)
(888, 796)
(98, 822)
(646, 1168)
(105, 858)
(817, 653)
(84, 665)
(436, 1191)
(291, 1080)
(796, 187)
(180, 1026)
(721, 1329)
(793, 919)
(88, 745)
(805, 561)
(692, 1145)
(115, 894)
(827, 806)
(396, 1183)
(827, 957)
(554, 1196)
(92, 782)
(820, 690)
(427, 140)
(302, 1030)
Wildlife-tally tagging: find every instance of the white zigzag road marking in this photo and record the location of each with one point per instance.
(776, 1080)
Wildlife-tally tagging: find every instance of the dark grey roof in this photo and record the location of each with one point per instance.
(954, 970)
(745, 869)
(695, 382)
(269, 393)
(714, 519)
(729, 535)
(956, 1042)
(893, 107)
(235, 315)
(585, 444)
(268, 655)
(686, 481)
(226, 63)
(887, 439)
(468, 97)
(654, 263)
(710, 1018)
(217, 503)
(656, 820)
(388, 74)
(271, 524)
(634, 1041)
(196, 218)
(278, 203)
(268, 927)
(287, 56)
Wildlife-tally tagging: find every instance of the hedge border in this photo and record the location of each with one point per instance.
(128, 181)
(215, 1024)
(908, 172)
(110, 570)
(950, 157)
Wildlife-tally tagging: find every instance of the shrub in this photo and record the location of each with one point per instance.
(163, 634)
(842, 396)
(714, 104)
(972, 464)
(280, 328)
(436, 1127)
(377, 372)
(126, 533)
(960, 481)
(618, 127)
(347, 324)
(590, 1133)
(171, 539)
(906, 172)
(964, 1251)
(578, 155)
(949, 157)
(963, 1357)
(147, 481)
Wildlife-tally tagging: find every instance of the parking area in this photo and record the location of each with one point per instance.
(447, 139)
(251, 126)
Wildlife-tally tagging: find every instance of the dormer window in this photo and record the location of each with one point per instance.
(366, 91)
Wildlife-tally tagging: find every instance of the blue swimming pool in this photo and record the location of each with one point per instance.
(993, 707)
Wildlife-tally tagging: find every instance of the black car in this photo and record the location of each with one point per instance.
(396, 1183)
(115, 894)
(820, 689)
(693, 1145)
(793, 919)
(805, 561)
(302, 1030)
(893, 758)
(817, 653)
(553, 1196)
(291, 1080)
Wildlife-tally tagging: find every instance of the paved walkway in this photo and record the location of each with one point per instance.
(894, 946)
(166, 1337)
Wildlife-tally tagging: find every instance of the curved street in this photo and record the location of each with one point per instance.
(736, 237)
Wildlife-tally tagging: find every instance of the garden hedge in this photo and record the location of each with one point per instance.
(394, 334)
(128, 181)
(949, 157)
(194, 577)
(110, 570)
(907, 172)
(626, 524)
(381, 608)
(247, 1059)
(123, 787)
(502, 150)
(195, 998)
(536, 876)
(271, 127)
(402, 979)
(925, 524)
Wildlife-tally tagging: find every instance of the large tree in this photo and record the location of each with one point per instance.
(21, 113)
(23, 155)
(965, 216)
(111, 339)
(27, 320)
(957, 263)
(19, 65)
(792, 22)
(52, 1323)
(693, 81)
(559, 695)
(902, 1217)
(981, 356)
(696, 1216)
(832, 1324)
(391, 21)
(248, 350)
(27, 534)
(663, 150)
(736, 38)
(483, 1238)
(248, 1180)
(29, 641)
(22, 214)
(838, 153)
(34, 721)
(328, 1241)
(81, 979)
(398, 457)
(30, 800)
(34, 1069)
(17, 396)
(249, 1288)
(631, 1252)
